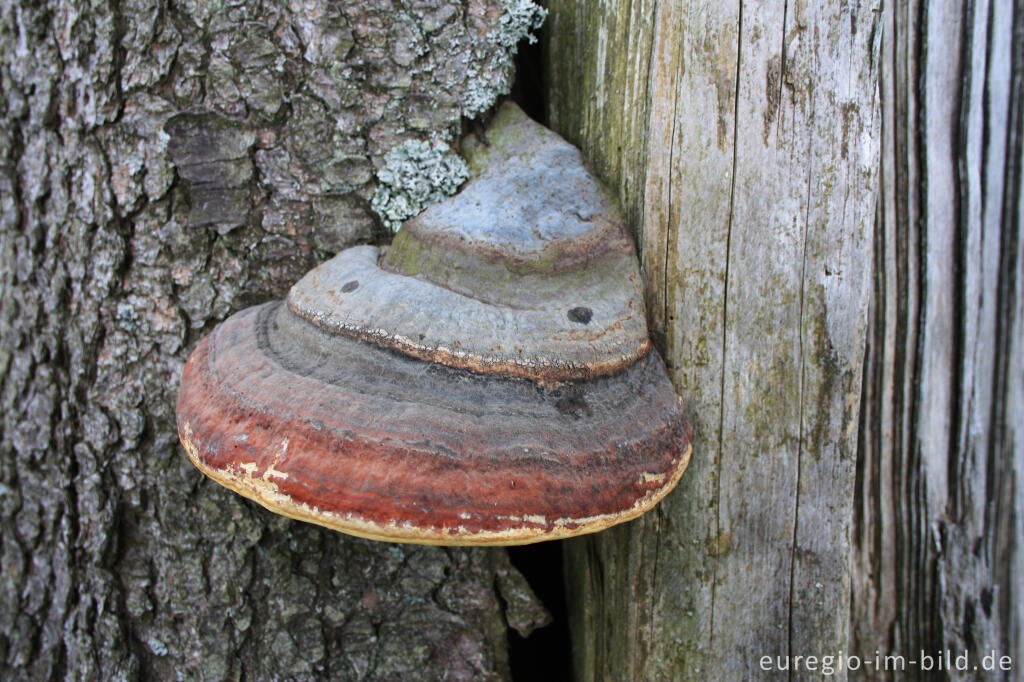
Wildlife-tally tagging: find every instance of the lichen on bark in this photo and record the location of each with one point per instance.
(415, 175)
(163, 165)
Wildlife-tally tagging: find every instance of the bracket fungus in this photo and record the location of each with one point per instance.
(487, 380)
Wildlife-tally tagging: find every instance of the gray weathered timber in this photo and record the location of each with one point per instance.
(937, 559)
(743, 142)
(161, 166)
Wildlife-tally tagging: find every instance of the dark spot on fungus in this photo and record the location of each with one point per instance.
(581, 314)
(574, 405)
(349, 287)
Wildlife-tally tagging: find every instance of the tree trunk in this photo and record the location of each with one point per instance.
(852, 484)
(163, 165)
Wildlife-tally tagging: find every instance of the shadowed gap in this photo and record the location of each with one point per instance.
(547, 653)
(528, 90)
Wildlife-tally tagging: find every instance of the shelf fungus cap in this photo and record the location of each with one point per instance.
(528, 271)
(488, 380)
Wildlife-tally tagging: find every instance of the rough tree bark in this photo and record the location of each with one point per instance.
(163, 164)
(816, 518)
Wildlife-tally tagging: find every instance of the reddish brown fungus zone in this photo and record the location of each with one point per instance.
(380, 445)
(490, 381)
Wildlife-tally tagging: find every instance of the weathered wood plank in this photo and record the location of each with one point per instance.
(936, 561)
(758, 169)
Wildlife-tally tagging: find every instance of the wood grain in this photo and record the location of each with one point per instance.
(743, 143)
(937, 529)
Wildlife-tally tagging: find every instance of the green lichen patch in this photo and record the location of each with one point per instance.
(518, 19)
(415, 175)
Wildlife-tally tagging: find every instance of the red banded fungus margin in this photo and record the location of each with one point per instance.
(487, 380)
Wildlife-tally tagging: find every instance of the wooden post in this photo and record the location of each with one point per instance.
(743, 143)
(827, 204)
(936, 557)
